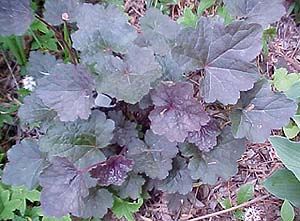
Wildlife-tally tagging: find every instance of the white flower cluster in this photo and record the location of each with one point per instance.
(29, 83)
(252, 214)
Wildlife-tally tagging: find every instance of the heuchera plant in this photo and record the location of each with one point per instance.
(165, 107)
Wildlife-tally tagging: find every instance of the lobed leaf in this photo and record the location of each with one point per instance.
(33, 110)
(260, 110)
(223, 53)
(126, 209)
(113, 171)
(79, 141)
(132, 187)
(129, 78)
(263, 12)
(25, 164)
(68, 90)
(154, 156)
(219, 162)
(176, 111)
(124, 131)
(15, 17)
(159, 31)
(179, 179)
(56, 10)
(97, 203)
(63, 189)
(102, 31)
(40, 64)
(205, 138)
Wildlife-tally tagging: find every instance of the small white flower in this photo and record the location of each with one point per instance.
(29, 83)
(252, 214)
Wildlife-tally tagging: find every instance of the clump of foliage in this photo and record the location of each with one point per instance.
(121, 116)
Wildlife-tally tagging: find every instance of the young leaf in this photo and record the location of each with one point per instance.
(284, 185)
(63, 189)
(287, 211)
(176, 111)
(128, 79)
(205, 138)
(288, 152)
(125, 209)
(219, 162)
(256, 11)
(260, 110)
(223, 13)
(15, 17)
(223, 53)
(35, 111)
(68, 90)
(25, 165)
(159, 31)
(80, 139)
(179, 179)
(125, 130)
(97, 203)
(132, 187)
(40, 65)
(56, 11)
(113, 171)
(154, 156)
(245, 193)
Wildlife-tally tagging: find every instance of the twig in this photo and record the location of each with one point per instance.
(229, 210)
(10, 70)
(60, 37)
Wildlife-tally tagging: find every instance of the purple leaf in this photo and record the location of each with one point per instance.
(15, 17)
(124, 131)
(68, 90)
(63, 189)
(153, 156)
(113, 171)
(206, 137)
(176, 111)
(25, 164)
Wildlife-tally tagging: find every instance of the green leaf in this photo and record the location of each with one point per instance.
(188, 19)
(22, 194)
(283, 81)
(287, 211)
(65, 218)
(288, 152)
(284, 185)
(245, 193)
(294, 92)
(296, 118)
(223, 12)
(203, 5)
(125, 209)
(225, 203)
(291, 130)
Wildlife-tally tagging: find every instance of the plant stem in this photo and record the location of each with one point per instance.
(229, 210)
(60, 37)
